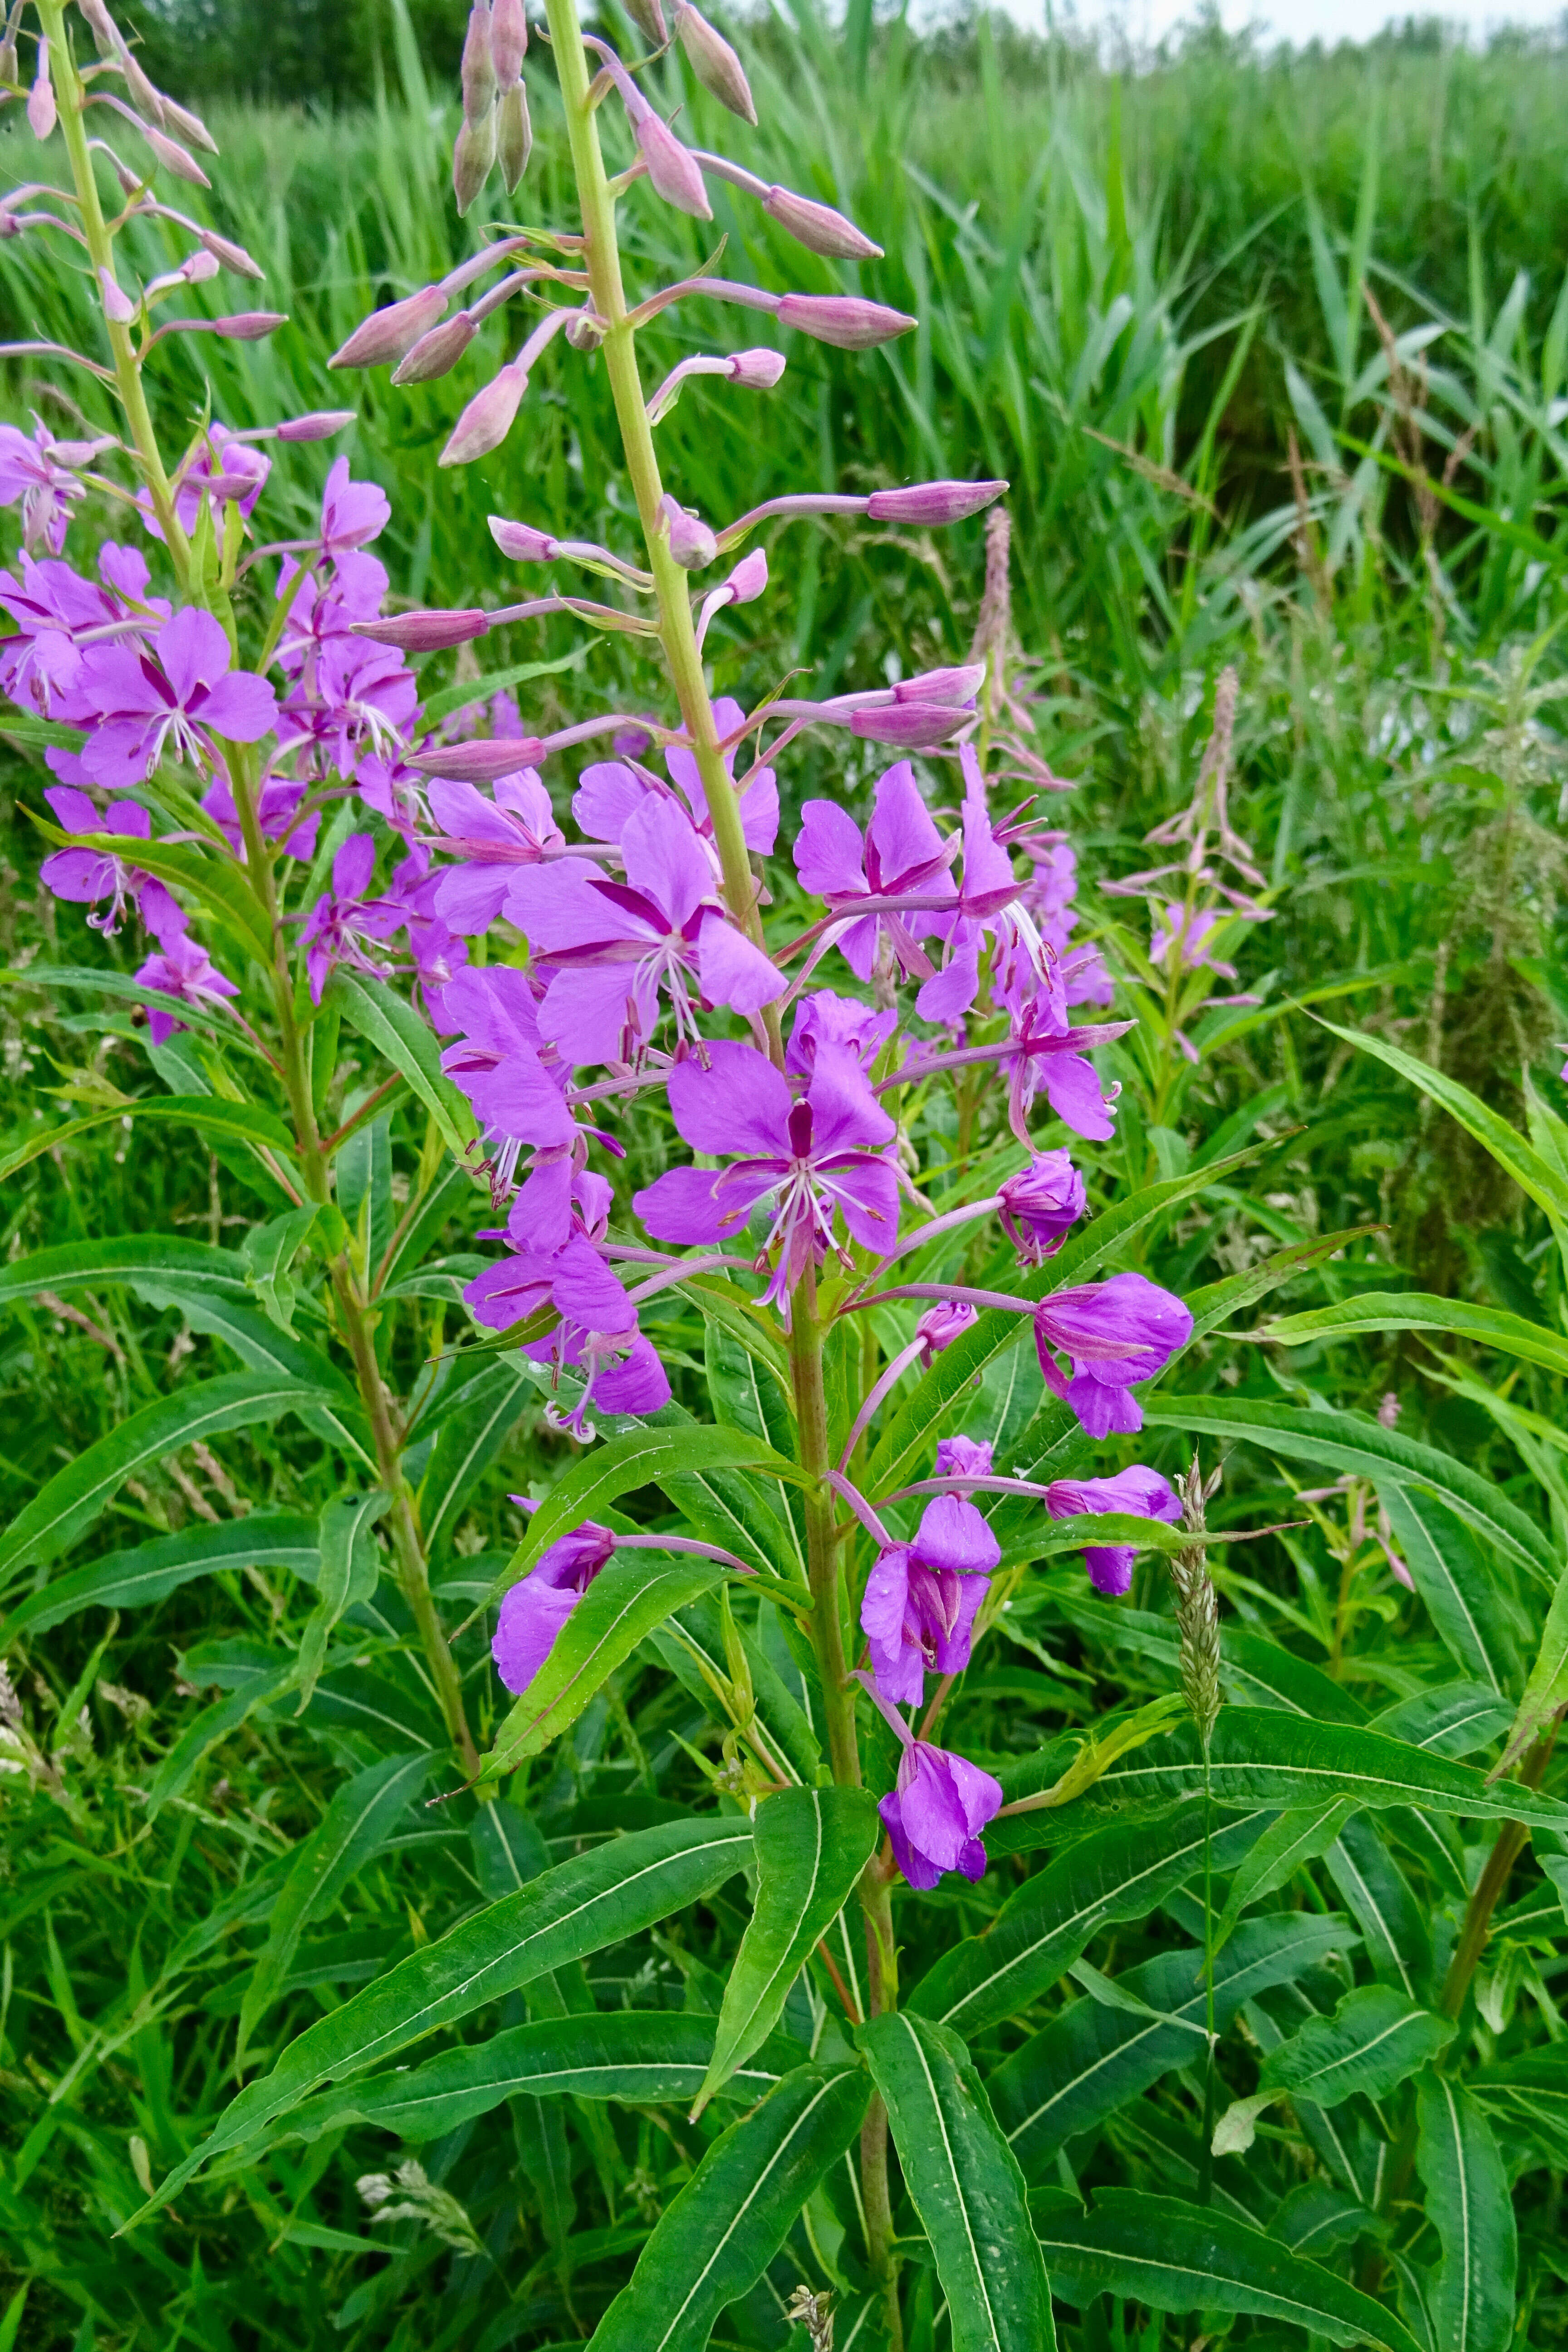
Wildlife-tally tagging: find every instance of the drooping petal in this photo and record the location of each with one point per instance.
(532, 1615)
(953, 1534)
(731, 969)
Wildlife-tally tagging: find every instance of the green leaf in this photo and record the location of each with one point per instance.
(467, 1443)
(349, 1572)
(219, 882)
(1547, 1688)
(965, 2185)
(597, 1899)
(356, 1824)
(213, 1725)
(229, 1122)
(812, 1845)
(129, 1257)
(1297, 1837)
(151, 1571)
(625, 1602)
(469, 690)
(400, 1036)
(1091, 2060)
(1530, 2093)
(262, 1346)
(1454, 1581)
(723, 2229)
(1392, 1922)
(1177, 2257)
(1214, 1303)
(1344, 1441)
(1118, 1873)
(1378, 1311)
(73, 1498)
(1376, 2038)
(1468, 2203)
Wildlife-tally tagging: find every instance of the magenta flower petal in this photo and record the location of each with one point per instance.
(731, 969)
(953, 1534)
(738, 1104)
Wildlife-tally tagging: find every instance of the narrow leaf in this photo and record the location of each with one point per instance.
(1469, 2204)
(151, 1571)
(1375, 2039)
(226, 1122)
(1547, 1688)
(349, 1572)
(1454, 1581)
(380, 1017)
(1376, 1311)
(125, 1257)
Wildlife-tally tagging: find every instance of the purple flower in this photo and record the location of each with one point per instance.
(1185, 929)
(324, 609)
(491, 839)
(612, 947)
(939, 1326)
(37, 469)
(86, 875)
(988, 905)
(53, 606)
(901, 854)
(353, 513)
(275, 813)
(182, 969)
(963, 1458)
(597, 1333)
(533, 1610)
(223, 469)
(355, 697)
(937, 1808)
(823, 1019)
(1142, 1492)
(342, 919)
(169, 702)
(1115, 1333)
(820, 1155)
(922, 1597)
(1047, 1058)
(519, 1099)
(1039, 1205)
(612, 791)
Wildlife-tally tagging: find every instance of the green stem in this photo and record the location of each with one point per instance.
(70, 96)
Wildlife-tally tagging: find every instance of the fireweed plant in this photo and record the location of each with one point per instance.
(850, 1043)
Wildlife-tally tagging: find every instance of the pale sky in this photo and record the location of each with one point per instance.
(1299, 21)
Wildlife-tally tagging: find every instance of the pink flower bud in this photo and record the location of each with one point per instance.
(41, 107)
(942, 685)
(910, 726)
(844, 320)
(585, 333)
(473, 158)
(117, 303)
(173, 158)
(524, 544)
(758, 370)
(251, 326)
(180, 118)
(105, 31)
(319, 425)
(714, 62)
(480, 763)
(198, 267)
(424, 633)
(509, 40)
(484, 425)
(939, 1326)
(232, 256)
(514, 136)
(477, 71)
(648, 18)
(674, 170)
(691, 542)
(440, 349)
(933, 503)
(749, 578)
(818, 227)
(143, 97)
(388, 334)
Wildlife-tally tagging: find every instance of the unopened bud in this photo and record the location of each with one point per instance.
(173, 158)
(476, 72)
(933, 503)
(472, 158)
(117, 303)
(232, 256)
(437, 352)
(180, 118)
(758, 370)
(251, 326)
(319, 425)
(956, 684)
(844, 320)
(131, 183)
(939, 1326)
(673, 168)
(585, 332)
(648, 17)
(10, 65)
(521, 542)
(484, 425)
(384, 337)
(514, 135)
(509, 40)
(142, 96)
(749, 578)
(714, 62)
(910, 726)
(478, 763)
(41, 107)
(105, 31)
(691, 542)
(197, 267)
(817, 227)
(425, 632)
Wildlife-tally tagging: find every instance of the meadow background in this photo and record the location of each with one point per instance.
(1274, 352)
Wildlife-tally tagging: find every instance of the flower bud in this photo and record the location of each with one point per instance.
(714, 62)
(910, 726)
(1039, 1205)
(232, 256)
(673, 168)
(758, 370)
(41, 107)
(484, 425)
(472, 158)
(117, 303)
(386, 335)
(319, 425)
(197, 267)
(691, 542)
(509, 40)
(939, 1326)
(173, 158)
(10, 65)
(478, 763)
(648, 17)
(424, 633)
(585, 333)
(179, 118)
(631, 742)
(942, 685)
(933, 503)
(749, 578)
(440, 349)
(251, 326)
(478, 72)
(818, 227)
(514, 135)
(143, 97)
(843, 320)
(104, 30)
(521, 542)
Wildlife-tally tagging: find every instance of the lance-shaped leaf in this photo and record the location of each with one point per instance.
(125, 1257)
(356, 1824)
(1090, 2059)
(1547, 1688)
(399, 1036)
(625, 1600)
(221, 885)
(1297, 1837)
(1177, 2257)
(1378, 1311)
(812, 1845)
(965, 2185)
(596, 1898)
(74, 1495)
(468, 1442)
(1376, 1892)
(1455, 1581)
(1375, 2039)
(1118, 1873)
(1344, 1441)
(723, 2229)
(1468, 2203)
(1530, 2093)
(349, 1572)
(262, 1346)
(151, 1571)
(643, 2056)
(226, 1122)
